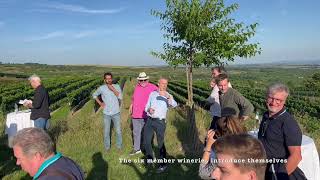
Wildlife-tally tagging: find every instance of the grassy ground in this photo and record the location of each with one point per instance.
(80, 137)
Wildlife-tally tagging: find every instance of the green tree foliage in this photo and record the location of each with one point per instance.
(202, 33)
(313, 83)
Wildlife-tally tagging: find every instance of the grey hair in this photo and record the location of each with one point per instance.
(34, 140)
(163, 79)
(277, 87)
(34, 77)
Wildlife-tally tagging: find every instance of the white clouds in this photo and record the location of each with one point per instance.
(81, 9)
(50, 35)
(84, 34)
(67, 34)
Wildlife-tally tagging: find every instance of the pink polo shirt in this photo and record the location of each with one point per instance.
(140, 98)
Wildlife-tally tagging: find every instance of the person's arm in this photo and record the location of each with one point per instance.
(293, 159)
(95, 96)
(130, 109)
(211, 99)
(293, 139)
(245, 106)
(118, 89)
(148, 108)
(114, 90)
(38, 98)
(207, 149)
(171, 101)
(206, 167)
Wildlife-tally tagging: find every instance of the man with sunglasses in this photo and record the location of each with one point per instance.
(281, 136)
(138, 103)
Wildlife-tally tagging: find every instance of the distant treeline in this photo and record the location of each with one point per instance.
(13, 75)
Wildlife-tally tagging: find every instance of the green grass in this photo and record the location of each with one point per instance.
(80, 137)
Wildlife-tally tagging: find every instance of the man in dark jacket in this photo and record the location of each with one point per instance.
(40, 112)
(34, 150)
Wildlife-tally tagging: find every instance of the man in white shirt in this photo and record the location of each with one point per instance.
(156, 108)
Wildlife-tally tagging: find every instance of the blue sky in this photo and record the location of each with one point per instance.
(123, 32)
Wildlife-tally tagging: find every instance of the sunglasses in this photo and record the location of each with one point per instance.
(143, 80)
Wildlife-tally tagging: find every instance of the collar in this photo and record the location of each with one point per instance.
(38, 86)
(221, 93)
(282, 111)
(47, 163)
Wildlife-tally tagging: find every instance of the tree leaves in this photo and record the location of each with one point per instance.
(205, 26)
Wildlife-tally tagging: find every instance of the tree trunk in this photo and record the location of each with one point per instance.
(189, 84)
(189, 77)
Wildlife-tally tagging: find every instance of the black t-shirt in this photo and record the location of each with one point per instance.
(278, 132)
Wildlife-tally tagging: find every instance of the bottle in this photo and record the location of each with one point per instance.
(16, 109)
(257, 121)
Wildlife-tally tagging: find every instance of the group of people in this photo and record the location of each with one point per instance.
(274, 154)
(148, 109)
(279, 135)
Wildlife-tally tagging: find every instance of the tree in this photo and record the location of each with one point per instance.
(199, 32)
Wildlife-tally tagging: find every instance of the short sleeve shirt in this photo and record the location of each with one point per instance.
(278, 132)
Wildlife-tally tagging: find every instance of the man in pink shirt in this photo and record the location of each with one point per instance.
(139, 100)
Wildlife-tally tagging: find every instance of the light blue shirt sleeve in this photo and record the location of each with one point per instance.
(96, 93)
(148, 105)
(173, 102)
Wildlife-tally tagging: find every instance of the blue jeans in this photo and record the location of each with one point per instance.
(117, 125)
(41, 123)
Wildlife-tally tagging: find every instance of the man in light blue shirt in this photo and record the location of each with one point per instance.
(156, 108)
(111, 95)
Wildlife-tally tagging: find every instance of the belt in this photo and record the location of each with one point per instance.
(157, 119)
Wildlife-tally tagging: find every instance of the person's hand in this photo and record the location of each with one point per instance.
(130, 109)
(28, 104)
(210, 139)
(103, 105)
(168, 96)
(165, 94)
(110, 87)
(151, 111)
(243, 118)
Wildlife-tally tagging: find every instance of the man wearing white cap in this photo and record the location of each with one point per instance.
(138, 104)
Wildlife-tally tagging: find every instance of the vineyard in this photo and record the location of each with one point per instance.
(75, 117)
(73, 91)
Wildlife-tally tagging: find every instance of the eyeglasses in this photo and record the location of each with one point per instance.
(264, 128)
(144, 80)
(278, 101)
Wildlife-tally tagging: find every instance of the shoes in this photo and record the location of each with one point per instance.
(162, 168)
(134, 152)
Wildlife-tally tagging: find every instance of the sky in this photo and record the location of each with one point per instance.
(123, 32)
